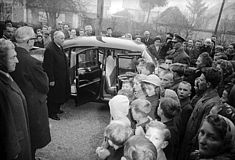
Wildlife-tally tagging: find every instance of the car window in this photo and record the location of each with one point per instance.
(126, 64)
(88, 58)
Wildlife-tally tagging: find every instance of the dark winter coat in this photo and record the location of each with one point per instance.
(147, 42)
(33, 82)
(186, 110)
(157, 54)
(201, 110)
(55, 65)
(193, 54)
(171, 150)
(225, 156)
(14, 121)
(180, 56)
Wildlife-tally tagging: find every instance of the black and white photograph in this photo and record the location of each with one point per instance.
(117, 79)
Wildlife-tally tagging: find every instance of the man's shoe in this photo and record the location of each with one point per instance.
(55, 117)
(60, 112)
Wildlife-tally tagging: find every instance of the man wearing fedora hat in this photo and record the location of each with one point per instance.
(179, 55)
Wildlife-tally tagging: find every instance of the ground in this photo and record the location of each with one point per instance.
(78, 133)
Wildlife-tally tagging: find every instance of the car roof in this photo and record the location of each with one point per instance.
(105, 42)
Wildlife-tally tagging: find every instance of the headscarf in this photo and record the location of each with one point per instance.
(119, 108)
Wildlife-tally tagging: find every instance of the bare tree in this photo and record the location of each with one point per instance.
(148, 5)
(197, 9)
(53, 8)
(174, 21)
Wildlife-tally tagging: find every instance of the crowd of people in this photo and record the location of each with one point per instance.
(184, 105)
(179, 108)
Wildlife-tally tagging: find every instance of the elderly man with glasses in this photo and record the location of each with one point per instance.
(33, 82)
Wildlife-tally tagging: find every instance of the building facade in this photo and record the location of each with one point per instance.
(16, 11)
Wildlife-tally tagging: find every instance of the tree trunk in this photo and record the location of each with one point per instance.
(149, 11)
(100, 10)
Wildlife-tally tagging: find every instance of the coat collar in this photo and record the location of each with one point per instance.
(10, 82)
(209, 94)
(181, 49)
(21, 50)
(5, 77)
(57, 47)
(177, 52)
(184, 102)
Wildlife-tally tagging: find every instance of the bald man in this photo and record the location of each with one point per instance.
(56, 66)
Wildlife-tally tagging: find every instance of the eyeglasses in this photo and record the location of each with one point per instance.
(34, 38)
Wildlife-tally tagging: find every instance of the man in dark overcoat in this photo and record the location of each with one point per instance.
(14, 124)
(179, 55)
(207, 84)
(33, 82)
(55, 65)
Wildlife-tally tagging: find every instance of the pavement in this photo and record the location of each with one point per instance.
(79, 132)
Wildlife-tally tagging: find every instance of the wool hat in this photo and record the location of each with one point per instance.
(119, 107)
(152, 79)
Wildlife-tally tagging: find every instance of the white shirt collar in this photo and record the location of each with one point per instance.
(6, 74)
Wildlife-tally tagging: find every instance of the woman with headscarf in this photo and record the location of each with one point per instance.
(14, 128)
(216, 139)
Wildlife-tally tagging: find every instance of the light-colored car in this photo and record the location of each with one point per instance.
(96, 63)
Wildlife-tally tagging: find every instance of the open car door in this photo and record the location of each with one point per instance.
(126, 66)
(117, 64)
(85, 70)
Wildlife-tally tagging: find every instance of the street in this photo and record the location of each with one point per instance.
(78, 133)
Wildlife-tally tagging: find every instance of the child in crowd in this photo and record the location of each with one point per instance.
(139, 148)
(168, 61)
(166, 81)
(127, 85)
(184, 93)
(168, 109)
(160, 136)
(140, 110)
(131, 97)
(140, 64)
(119, 109)
(128, 93)
(152, 88)
(116, 134)
(161, 67)
(139, 91)
(166, 78)
(148, 68)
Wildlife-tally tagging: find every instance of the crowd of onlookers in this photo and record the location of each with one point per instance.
(180, 107)
(184, 105)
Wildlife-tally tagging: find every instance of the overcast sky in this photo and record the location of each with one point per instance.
(116, 5)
